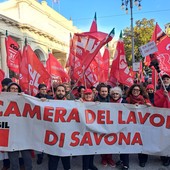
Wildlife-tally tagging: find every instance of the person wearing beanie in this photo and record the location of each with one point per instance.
(88, 159)
(161, 99)
(150, 91)
(14, 155)
(14, 87)
(5, 83)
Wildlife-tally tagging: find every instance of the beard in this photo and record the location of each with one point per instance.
(60, 96)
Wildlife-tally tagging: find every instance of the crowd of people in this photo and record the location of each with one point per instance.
(137, 94)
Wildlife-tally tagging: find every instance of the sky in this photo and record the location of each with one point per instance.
(109, 13)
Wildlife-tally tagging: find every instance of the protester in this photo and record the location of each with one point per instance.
(162, 99)
(14, 155)
(42, 94)
(88, 159)
(69, 94)
(4, 83)
(80, 91)
(116, 97)
(54, 159)
(103, 96)
(95, 92)
(138, 95)
(150, 91)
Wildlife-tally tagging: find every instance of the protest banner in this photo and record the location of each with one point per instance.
(61, 127)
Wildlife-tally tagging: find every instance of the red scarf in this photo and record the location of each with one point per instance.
(116, 101)
(136, 99)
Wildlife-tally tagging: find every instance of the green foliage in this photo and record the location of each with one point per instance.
(143, 30)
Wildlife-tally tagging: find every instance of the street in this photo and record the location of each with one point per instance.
(153, 163)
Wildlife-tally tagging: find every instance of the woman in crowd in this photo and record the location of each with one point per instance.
(88, 159)
(138, 95)
(150, 91)
(116, 97)
(14, 155)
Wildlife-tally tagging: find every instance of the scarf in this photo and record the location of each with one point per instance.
(136, 99)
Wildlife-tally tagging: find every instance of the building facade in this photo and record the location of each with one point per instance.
(44, 28)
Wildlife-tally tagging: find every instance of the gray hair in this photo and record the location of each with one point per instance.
(116, 89)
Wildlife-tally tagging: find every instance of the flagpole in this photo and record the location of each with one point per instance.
(59, 6)
(137, 3)
(52, 4)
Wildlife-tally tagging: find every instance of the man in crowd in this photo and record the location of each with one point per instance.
(42, 94)
(53, 160)
(162, 99)
(103, 96)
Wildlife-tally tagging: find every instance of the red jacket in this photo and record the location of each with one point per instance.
(160, 100)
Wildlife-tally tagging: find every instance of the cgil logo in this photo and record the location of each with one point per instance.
(4, 134)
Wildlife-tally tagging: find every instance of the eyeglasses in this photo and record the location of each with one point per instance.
(136, 90)
(14, 88)
(115, 94)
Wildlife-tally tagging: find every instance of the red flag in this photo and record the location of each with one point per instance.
(105, 66)
(132, 73)
(154, 77)
(163, 54)
(55, 69)
(141, 76)
(119, 68)
(13, 54)
(156, 37)
(32, 72)
(93, 27)
(70, 64)
(85, 48)
(2, 75)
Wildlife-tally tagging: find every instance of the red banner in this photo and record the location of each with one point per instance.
(85, 48)
(55, 69)
(32, 72)
(119, 68)
(13, 54)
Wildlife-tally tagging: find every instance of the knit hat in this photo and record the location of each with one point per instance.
(117, 90)
(13, 83)
(6, 81)
(88, 91)
(165, 75)
(150, 86)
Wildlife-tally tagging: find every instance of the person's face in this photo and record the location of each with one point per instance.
(166, 81)
(60, 92)
(13, 88)
(68, 88)
(136, 91)
(115, 95)
(94, 91)
(4, 88)
(43, 90)
(88, 97)
(82, 92)
(150, 90)
(104, 92)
